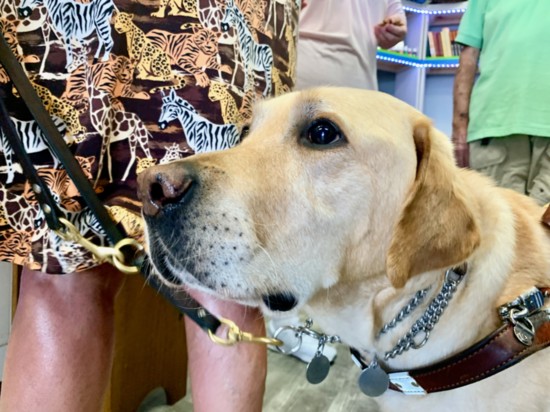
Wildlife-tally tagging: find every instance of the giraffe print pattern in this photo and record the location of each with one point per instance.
(109, 99)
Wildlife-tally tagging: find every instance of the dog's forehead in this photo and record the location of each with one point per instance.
(363, 108)
(295, 106)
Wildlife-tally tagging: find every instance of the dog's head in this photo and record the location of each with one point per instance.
(330, 185)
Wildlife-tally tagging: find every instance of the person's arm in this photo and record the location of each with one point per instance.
(391, 31)
(464, 82)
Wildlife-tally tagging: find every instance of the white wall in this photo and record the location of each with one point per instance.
(5, 309)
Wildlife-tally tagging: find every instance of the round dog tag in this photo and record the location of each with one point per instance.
(317, 370)
(374, 381)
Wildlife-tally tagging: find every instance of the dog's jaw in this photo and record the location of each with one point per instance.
(216, 249)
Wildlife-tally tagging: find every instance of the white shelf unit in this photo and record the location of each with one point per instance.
(412, 71)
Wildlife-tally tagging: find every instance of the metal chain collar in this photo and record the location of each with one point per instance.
(428, 320)
(406, 310)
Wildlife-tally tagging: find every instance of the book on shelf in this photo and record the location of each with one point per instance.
(446, 42)
(441, 43)
(431, 44)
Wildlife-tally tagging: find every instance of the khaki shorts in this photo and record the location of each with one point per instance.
(518, 162)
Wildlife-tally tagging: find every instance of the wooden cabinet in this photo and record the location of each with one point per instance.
(150, 348)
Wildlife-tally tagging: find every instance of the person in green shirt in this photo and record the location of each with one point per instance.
(501, 121)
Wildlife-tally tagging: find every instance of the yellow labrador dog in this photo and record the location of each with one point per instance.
(348, 204)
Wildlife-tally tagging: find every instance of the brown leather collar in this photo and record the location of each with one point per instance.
(495, 353)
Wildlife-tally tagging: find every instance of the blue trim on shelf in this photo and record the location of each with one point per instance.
(458, 7)
(413, 61)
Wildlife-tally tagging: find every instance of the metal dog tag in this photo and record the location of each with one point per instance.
(374, 381)
(318, 369)
(524, 331)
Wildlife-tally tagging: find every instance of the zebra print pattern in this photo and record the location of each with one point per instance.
(32, 138)
(255, 56)
(202, 135)
(75, 20)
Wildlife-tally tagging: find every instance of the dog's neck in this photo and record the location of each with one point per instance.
(360, 327)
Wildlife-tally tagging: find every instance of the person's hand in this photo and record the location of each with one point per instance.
(461, 150)
(391, 31)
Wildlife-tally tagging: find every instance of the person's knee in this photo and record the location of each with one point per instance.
(100, 284)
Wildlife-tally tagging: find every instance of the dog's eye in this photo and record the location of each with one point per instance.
(323, 132)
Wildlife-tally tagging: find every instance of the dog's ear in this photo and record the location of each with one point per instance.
(436, 228)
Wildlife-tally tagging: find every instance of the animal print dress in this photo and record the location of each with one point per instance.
(129, 84)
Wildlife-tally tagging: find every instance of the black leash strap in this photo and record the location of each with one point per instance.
(42, 193)
(184, 303)
(54, 141)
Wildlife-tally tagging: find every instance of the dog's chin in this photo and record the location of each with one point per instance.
(280, 302)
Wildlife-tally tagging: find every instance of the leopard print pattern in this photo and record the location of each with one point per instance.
(219, 92)
(144, 163)
(57, 107)
(187, 8)
(280, 87)
(193, 52)
(290, 38)
(150, 61)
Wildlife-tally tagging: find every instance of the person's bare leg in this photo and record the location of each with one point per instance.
(59, 353)
(229, 379)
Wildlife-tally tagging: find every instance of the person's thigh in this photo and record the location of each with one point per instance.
(505, 159)
(538, 186)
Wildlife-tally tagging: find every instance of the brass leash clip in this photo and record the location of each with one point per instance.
(236, 335)
(113, 255)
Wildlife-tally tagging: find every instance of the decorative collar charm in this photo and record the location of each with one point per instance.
(318, 368)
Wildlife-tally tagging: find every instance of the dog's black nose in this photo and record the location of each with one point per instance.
(160, 186)
(280, 301)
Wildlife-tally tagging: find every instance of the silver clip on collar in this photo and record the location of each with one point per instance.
(291, 336)
(519, 311)
(292, 341)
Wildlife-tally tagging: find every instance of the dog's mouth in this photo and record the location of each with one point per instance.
(281, 302)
